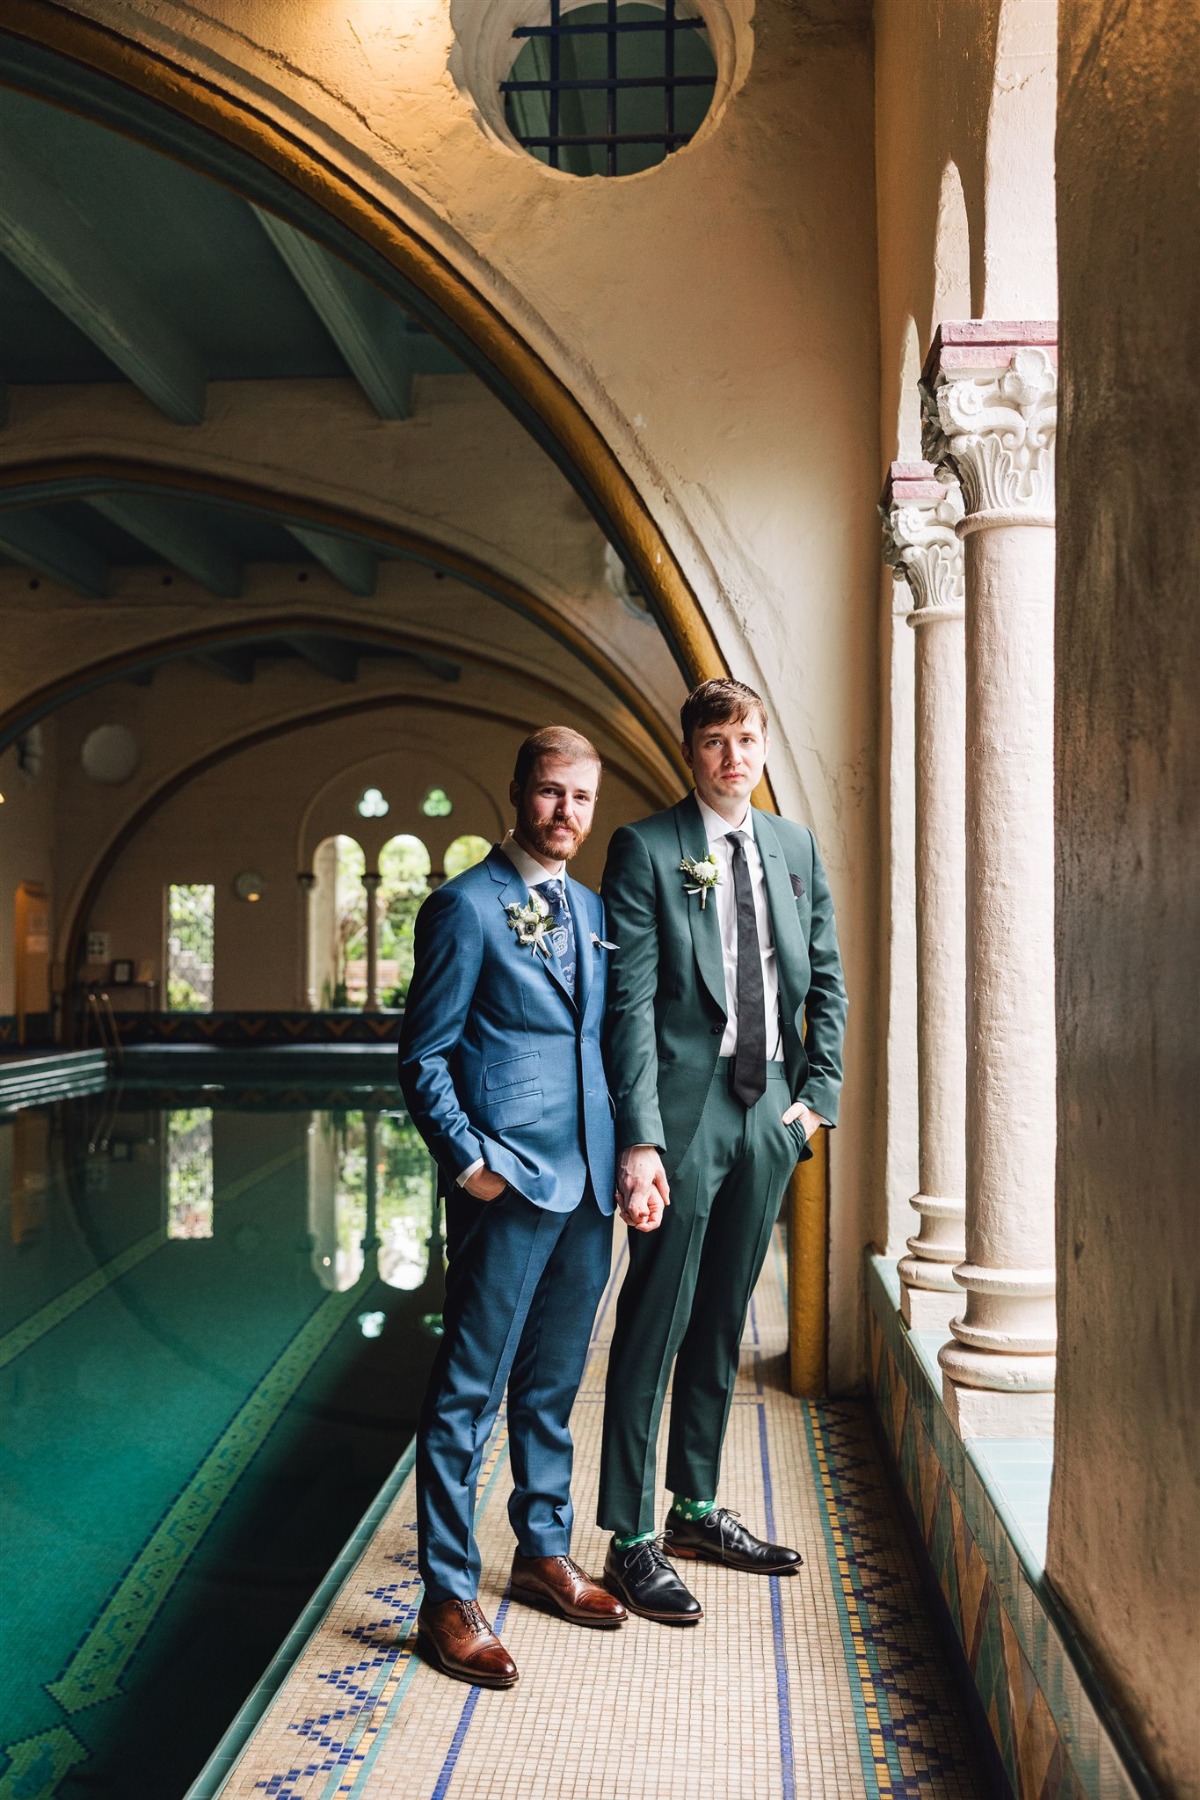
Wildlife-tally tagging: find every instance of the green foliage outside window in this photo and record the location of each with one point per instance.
(190, 939)
(404, 869)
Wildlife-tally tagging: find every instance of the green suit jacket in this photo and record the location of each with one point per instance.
(666, 990)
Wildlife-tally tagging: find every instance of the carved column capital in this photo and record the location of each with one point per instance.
(921, 510)
(989, 397)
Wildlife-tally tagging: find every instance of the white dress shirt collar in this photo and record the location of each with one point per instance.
(531, 871)
(717, 827)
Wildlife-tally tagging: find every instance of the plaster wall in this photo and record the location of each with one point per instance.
(189, 713)
(258, 810)
(1125, 1512)
(716, 317)
(27, 844)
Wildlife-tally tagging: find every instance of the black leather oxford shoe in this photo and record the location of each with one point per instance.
(719, 1537)
(643, 1578)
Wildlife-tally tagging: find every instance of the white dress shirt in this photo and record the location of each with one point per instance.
(720, 849)
(533, 874)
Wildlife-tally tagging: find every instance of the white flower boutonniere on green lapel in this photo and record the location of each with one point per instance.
(703, 875)
(531, 922)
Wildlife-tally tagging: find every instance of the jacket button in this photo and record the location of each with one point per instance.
(718, 1030)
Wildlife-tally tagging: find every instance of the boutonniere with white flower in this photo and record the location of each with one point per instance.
(531, 922)
(703, 875)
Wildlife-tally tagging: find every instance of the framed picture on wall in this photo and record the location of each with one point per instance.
(121, 974)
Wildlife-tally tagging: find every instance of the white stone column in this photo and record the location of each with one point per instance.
(371, 881)
(920, 514)
(990, 394)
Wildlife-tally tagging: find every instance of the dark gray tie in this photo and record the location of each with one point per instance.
(750, 1057)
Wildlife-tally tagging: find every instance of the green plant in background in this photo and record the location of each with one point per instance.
(350, 912)
(404, 871)
(190, 946)
(464, 853)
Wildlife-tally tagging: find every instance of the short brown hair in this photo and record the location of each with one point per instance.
(716, 703)
(553, 740)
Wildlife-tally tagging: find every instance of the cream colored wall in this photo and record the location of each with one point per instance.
(1125, 1513)
(188, 714)
(27, 844)
(717, 318)
(265, 810)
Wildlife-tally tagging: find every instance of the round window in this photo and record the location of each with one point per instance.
(609, 89)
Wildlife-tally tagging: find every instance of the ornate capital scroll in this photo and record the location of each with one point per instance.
(990, 404)
(920, 512)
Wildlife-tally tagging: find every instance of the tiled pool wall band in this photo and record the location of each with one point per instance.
(1057, 1735)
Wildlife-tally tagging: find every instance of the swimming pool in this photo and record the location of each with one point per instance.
(219, 1306)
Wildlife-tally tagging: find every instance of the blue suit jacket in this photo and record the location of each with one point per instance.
(496, 1059)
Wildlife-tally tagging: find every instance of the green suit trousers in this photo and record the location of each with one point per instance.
(685, 1299)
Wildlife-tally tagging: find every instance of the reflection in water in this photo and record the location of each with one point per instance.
(371, 1187)
(190, 1172)
(202, 1417)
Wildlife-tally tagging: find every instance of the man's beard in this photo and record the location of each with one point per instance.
(543, 839)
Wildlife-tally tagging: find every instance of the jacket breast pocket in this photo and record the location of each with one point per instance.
(513, 1071)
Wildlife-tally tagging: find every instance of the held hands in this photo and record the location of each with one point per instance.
(642, 1188)
(484, 1184)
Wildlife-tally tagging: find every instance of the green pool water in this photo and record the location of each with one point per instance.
(216, 1326)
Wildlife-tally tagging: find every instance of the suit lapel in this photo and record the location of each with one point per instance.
(702, 920)
(785, 925)
(584, 951)
(512, 887)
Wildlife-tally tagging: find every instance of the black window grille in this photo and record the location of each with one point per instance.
(609, 89)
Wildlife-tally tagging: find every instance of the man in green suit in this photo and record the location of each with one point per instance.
(726, 1015)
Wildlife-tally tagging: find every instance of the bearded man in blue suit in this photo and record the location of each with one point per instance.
(502, 1072)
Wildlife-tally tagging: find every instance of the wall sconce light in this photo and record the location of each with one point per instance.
(249, 886)
(373, 805)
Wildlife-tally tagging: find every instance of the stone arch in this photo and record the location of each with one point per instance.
(908, 399)
(951, 251)
(69, 60)
(75, 477)
(84, 901)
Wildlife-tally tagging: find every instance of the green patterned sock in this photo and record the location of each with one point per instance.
(627, 1543)
(691, 1510)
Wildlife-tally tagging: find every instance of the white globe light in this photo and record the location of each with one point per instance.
(109, 754)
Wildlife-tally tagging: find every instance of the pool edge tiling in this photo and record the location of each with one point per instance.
(831, 1683)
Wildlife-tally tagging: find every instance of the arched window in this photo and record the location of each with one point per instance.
(404, 867)
(464, 853)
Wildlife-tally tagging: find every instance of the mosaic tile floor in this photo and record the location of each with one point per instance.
(831, 1684)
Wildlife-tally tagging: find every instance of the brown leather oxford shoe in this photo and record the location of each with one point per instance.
(558, 1585)
(456, 1638)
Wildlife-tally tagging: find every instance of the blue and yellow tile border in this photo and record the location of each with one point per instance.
(1057, 1735)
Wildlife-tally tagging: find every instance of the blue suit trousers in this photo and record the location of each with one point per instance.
(522, 1288)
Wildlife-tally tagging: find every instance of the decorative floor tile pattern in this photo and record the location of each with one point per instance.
(829, 1684)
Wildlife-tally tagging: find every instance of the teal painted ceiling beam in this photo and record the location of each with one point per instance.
(440, 666)
(43, 236)
(368, 332)
(329, 656)
(53, 550)
(351, 564)
(195, 549)
(232, 664)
